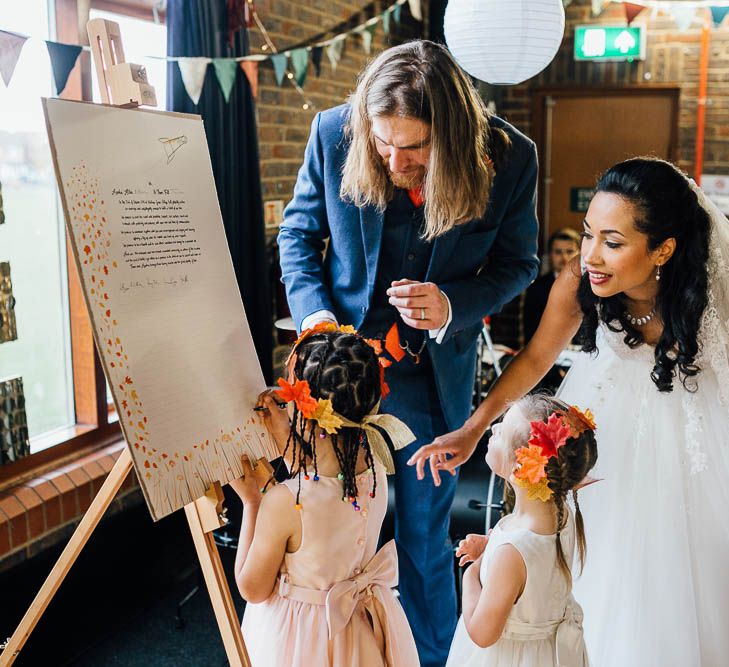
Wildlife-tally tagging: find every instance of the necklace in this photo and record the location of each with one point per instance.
(640, 321)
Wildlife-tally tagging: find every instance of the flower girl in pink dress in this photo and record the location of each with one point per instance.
(318, 591)
(518, 609)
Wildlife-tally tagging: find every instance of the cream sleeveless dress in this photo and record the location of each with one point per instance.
(544, 628)
(334, 604)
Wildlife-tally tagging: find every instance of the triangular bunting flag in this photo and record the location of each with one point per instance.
(193, 72)
(684, 17)
(316, 54)
(225, 71)
(415, 9)
(386, 21)
(63, 59)
(10, 47)
(334, 51)
(300, 62)
(250, 67)
(367, 33)
(279, 62)
(396, 13)
(631, 11)
(718, 14)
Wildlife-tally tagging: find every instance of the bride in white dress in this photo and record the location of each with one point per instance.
(652, 305)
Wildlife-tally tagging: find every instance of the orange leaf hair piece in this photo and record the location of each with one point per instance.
(550, 436)
(300, 393)
(579, 421)
(538, 491)
(384, 388)
(321, 327)
(532, 464)
(375, 344)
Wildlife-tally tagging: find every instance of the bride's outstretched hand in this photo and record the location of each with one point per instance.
(445, 453)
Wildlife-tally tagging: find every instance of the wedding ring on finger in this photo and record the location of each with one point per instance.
(422, 313)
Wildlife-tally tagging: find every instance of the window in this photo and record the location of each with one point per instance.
(66, 404)
(32, 238)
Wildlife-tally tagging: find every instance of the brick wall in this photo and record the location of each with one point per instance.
(671, 57)
(45, 509)
(283, 125)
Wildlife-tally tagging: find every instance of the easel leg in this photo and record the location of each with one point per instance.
(68, 557)
(212, 568)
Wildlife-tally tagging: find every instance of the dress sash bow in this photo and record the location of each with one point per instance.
(341, 600)
(569, 639)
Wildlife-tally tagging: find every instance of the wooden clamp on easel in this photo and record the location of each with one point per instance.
(125, 84)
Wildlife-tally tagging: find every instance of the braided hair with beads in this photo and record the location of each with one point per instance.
(344, 368)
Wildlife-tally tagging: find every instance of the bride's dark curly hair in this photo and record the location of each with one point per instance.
(666, 207)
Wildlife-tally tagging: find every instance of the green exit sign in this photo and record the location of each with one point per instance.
(599, 42)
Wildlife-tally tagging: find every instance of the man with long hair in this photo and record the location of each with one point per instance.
(428, 205)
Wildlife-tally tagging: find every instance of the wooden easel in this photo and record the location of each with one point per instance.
(125, 84)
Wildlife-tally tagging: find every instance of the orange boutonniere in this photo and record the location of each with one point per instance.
(300, 393)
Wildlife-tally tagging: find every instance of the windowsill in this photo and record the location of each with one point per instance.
(79, 441)
(53, 438)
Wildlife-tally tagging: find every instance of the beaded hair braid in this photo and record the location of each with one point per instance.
(343, 368)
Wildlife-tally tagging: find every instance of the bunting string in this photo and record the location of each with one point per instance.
(292, 64)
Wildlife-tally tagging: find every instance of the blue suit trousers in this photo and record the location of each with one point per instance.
(422, 515)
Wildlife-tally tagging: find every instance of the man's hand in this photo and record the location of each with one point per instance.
(446, 452)
(421, 305)
(471, 548)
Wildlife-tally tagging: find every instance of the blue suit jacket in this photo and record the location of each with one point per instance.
(481, 265)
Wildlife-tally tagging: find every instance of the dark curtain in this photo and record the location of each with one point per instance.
(200, 28)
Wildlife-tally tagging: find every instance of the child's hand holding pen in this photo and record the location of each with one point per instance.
(274, 415)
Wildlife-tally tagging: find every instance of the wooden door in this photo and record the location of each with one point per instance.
(580, 133)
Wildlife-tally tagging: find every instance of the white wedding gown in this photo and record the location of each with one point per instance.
(655, 588)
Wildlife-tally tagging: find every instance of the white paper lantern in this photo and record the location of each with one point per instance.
(504, 41)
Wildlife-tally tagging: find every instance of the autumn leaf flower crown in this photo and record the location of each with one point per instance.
(545, 441)
(321, 410)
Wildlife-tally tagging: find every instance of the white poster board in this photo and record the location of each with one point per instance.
(142, 213)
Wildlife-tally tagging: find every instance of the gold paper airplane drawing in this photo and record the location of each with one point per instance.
(172, 145)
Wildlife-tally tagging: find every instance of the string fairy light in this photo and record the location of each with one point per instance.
(308, 104)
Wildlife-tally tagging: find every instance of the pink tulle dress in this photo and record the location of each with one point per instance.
(333, 604)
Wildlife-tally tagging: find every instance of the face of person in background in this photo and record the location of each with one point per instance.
(562, 252)
(404, 146)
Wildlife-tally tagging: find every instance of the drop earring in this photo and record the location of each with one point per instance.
(658, 272)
